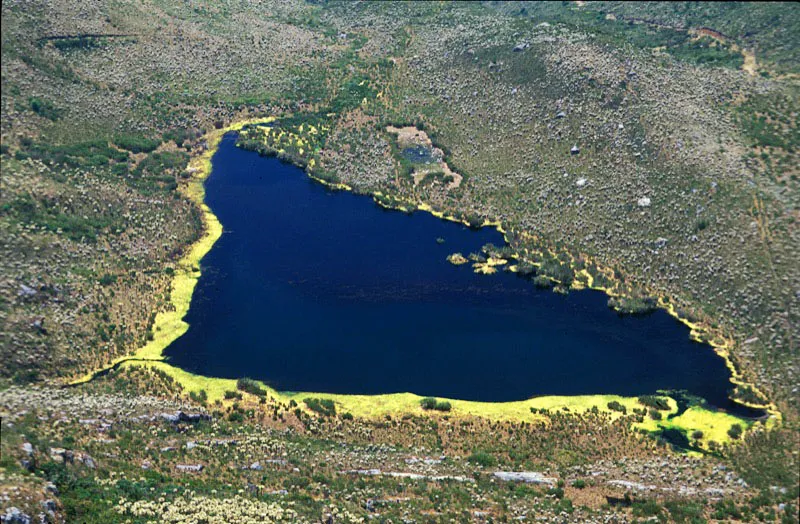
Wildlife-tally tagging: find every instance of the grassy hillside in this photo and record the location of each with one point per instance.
(683, 193)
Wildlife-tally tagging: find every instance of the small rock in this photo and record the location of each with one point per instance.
(195, 468)
(15, 516)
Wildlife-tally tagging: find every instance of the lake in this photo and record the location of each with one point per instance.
(311, 289)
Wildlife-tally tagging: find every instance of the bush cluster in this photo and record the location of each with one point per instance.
(428, 403)
(323, 406)
(248, 385)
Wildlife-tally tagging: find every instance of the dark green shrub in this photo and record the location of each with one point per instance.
(44, 108)
(443, 405)
(646, 508)
(323, 406)
(633, 305)
(483, 459)
(735, 431)
(135, 144)
(683, 510)
(230, 395)
(655, 402)
(80, 42)
(616, 406)
(474, 220)
(248, 385)
(199, 396)
(558, 270)
(107, 279)
(428, 403)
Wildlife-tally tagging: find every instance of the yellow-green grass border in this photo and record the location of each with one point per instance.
(169, 325)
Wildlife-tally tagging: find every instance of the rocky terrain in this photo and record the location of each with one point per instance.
(648, 149)
(105, 454)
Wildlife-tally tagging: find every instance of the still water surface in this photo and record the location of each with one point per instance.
(310, 289)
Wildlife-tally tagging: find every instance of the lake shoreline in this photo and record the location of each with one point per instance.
(170, 325)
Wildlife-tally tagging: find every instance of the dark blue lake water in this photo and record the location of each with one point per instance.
(317, 290)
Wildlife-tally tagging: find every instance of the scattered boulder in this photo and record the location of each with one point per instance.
(26, 292)
(62, 455)
(180, 416)
(190, 468)
(16, 516)
(529, 477)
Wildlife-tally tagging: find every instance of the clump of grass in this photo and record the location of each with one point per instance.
(616, 406)
(656, 402)
(323, 406)
(483, 459)
(431, 403)
(135, 144)
(249, 385)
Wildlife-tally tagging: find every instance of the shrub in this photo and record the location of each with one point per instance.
(747, 394)
(44, 108)
(428, 403)
(78, 42)
(557, 269)
(135, 144)
(685, 510)
(474, 220)
(230, 395)
(443, 406)
(633, 305)
(323, 406)
(483, 459)
(655, 402)
(616, 406)
(199, 396)
(107, 279)
(579, 484)
(646, 508)
(735, 432)
(697, 435)
(248, 385)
